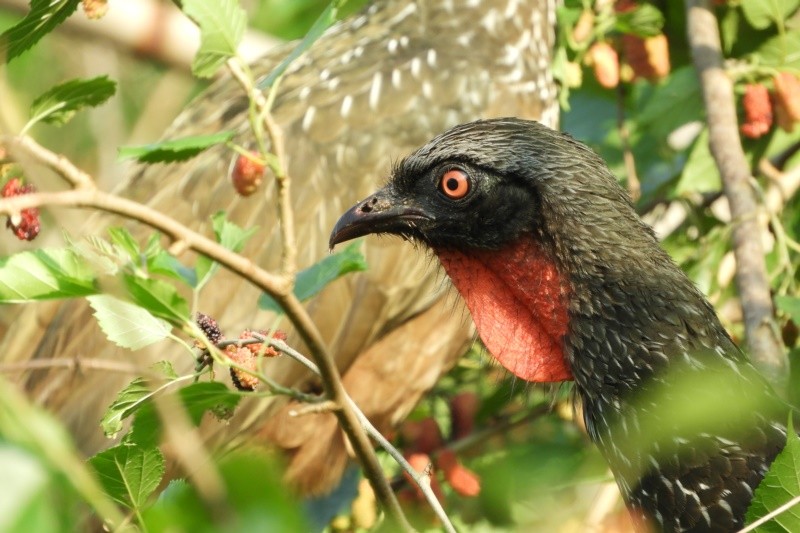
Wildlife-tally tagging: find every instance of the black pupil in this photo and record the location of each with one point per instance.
(452, 184)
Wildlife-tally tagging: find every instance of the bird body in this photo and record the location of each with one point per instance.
(371, 88)
(565, 281)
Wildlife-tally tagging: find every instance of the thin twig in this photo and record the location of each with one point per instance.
(282, 180)
(76, 364)
(726, 147)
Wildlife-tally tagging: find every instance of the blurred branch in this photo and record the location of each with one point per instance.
(151, 28)
(726, 147)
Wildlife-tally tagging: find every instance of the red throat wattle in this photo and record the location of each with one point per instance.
(517, 300)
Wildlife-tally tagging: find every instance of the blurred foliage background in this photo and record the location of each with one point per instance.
(536, 468)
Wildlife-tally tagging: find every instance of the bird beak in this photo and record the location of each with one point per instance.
(382, 212)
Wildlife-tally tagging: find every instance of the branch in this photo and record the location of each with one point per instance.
(278, 287)
(726, 147)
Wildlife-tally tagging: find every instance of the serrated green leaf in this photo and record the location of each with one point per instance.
(174, 149)
(761, 14)
(222, 24)
(45, 274)
(123, 238)
(700, 174)
(781, 484)
(165, 368)
(197, 398)
(228, 235)
(42, 18)
(781, 51)
(126, 324)
(127, 401)
(60, 103)
(313, 279)
(129, 474)
(789, 305)
(168, 265)
(645, 21)
(158, 297)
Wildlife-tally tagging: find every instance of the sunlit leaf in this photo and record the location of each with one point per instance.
(763, 13)
(222, 24)
(60, 103)
(126, 324)
(44, 274)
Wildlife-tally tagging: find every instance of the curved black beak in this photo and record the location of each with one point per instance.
(382, 212)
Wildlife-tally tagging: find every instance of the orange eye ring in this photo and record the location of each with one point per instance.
(454, 184)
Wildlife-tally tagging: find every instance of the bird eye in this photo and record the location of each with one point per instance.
(454, 184)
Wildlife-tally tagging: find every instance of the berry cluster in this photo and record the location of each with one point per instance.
(243, 355)
(642, 57)
(424, 439)
(25, 224)
(762, 107)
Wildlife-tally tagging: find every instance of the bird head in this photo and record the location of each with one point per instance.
(526, 222)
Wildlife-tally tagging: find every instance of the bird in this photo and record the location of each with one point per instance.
(564, 281)
(373, 86)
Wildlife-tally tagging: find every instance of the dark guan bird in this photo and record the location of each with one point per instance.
(565, 282)
(371, 88)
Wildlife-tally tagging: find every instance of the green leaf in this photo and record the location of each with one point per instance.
(45, 274)
(700, 174)
(674, 102)
(782, 51)
(313, 279)
(158, 297)
(644, 21)
(324, 21)
(126, 324)
(174, 149)
(763, 13)
(123, 238)
(197, 398)
(42, 18)
(129, 474)
(229, 235)
(127, 401)
(781, 484)
(789, 305)
(168, 265)
(222, 24)
(26, 493)
(165, 368)
(59, 104)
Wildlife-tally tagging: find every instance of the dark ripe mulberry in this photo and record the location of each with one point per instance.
(210, 328)
(25, 224)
